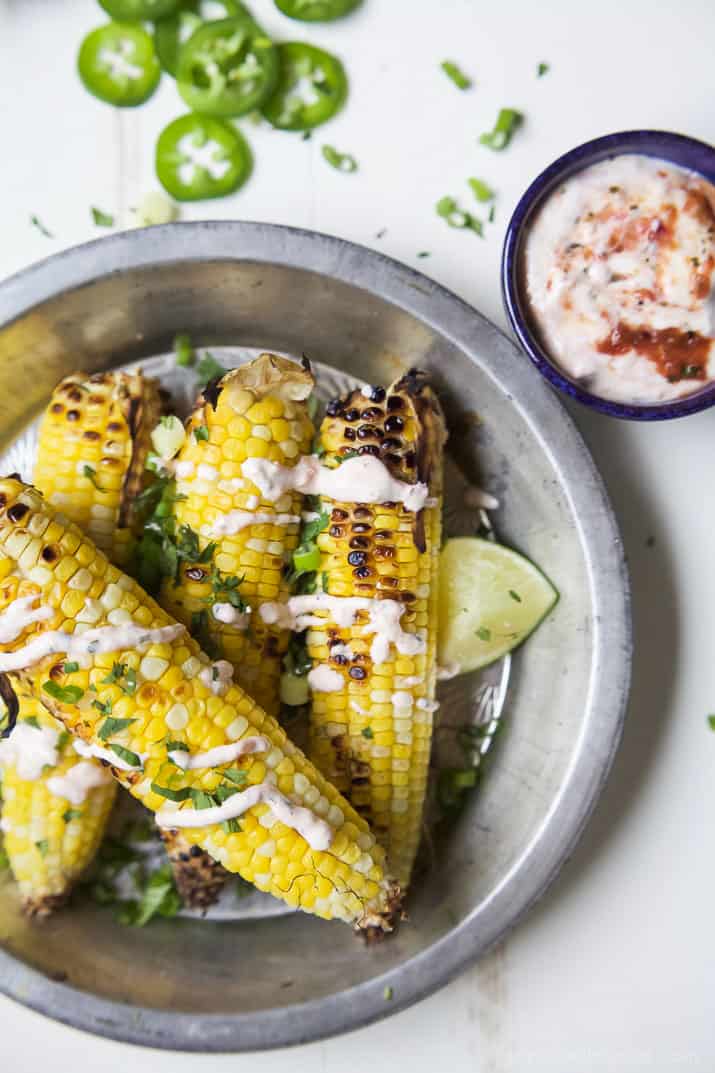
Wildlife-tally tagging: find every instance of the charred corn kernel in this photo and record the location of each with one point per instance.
(363, 734)
(50, 838)
(146, 776)
(245, 417)
(93, 445)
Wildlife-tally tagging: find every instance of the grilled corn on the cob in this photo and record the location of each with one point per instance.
(257, 805)
(372, 720)
(55, 805)
(104, 422)
(258, 411)
(92, 451)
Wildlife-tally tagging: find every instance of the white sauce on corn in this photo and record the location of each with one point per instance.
(235, 520)
(230, 615)
(87, 750)
(76, 783)
(29, 749)
(217, 677)
(324, 679)
(449, 670)
(383, 620)
(222, 754)
(363, 475)
(317, 833)
(92, 642)
(427, 705)
(20, 614)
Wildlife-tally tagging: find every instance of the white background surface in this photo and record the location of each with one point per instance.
(613, 970)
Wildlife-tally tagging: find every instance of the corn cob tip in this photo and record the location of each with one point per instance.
(42, 907)
(373, 926)
(268, 374)
(199, 878)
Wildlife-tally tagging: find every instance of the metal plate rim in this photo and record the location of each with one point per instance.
(497, 356)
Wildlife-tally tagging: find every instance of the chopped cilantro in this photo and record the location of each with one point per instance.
(32, 721)
(126, 755)
(37, 222)
(515, 596)
(102, 219)
(70, 668)
(201, 432)
(208, 369)
(542, 69)
(484, 633)
(711, 722)
(481, 190)
(91, 474)
(64, 694)
(42, 846)
(367, 732)
(113, 726)
(72, 814)
(104, 707)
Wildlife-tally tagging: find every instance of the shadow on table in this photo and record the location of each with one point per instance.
(656, 629)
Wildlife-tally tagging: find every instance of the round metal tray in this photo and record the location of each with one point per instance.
(262, 982)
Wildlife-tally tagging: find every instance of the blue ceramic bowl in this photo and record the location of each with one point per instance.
(677, 149)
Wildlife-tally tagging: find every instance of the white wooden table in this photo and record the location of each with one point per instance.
(613, 970)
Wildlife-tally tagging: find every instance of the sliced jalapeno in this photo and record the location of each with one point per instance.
(200, 157)
(227, 68)
(312, 87)
(172, 32)
(136, 10)
(316, 10)
(117, 63)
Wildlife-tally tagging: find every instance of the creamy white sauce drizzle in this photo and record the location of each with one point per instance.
(358, 708)
(427, 705)
(76, 783)
(222, 754)
(342, 650)
(92, 642)
(383, 620)
(401, 701)
(206, 473)
(20, 614)
(218, 677)
(29, 749)
(230, 615)
(87, 750)
(325, 679)
(317, 833)
(363, 475)
(235, 520)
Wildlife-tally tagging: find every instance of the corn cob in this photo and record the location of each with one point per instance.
(104, 422)
(371, 734)
(257, 411)
(176, 703)
(50, 838)
(92, 451)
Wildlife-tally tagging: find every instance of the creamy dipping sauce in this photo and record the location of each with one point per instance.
(619, 265)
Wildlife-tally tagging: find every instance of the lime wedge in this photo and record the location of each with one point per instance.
(490, 600)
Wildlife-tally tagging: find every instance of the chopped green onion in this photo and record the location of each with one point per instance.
(201, 432)
(112, 726)
(126, 755)
(481, 190)
(155, 208)
(306, 560)
(484, 633)
(183, 351)
(102, 219)
(460, 80)
(490, 217)
(711, 721)
(168, 437)
(64, 694)
(37, 222)
(367, 732)
(340, 161)
(507, 122)
(542, 69)
(450, 211)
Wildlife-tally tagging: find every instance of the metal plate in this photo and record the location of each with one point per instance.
(272, 982)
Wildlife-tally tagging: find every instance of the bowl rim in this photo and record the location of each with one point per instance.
(604, 709)
(679, 149)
